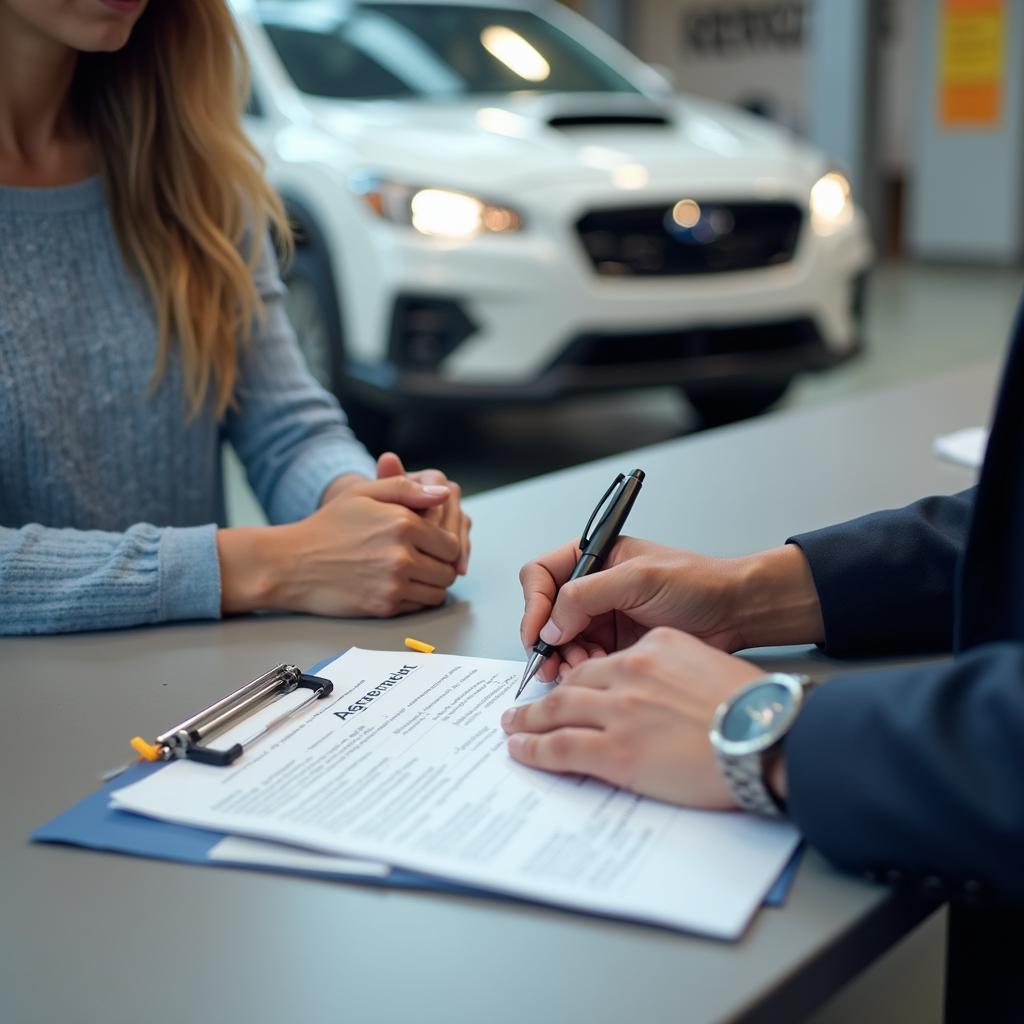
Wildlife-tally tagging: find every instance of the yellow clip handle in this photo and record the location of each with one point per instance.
(146, 750)
(419, 645)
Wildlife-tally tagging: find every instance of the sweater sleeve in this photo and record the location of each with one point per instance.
(914, 774)
(886, 581)
(289, 433)
(62, 580)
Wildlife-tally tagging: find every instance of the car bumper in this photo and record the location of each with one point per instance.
(527, 304)
(585, 367)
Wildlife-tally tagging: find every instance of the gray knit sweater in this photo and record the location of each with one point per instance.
(109, 497)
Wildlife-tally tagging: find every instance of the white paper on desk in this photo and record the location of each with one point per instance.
(406, 764)
(260, 853)
(965, 447)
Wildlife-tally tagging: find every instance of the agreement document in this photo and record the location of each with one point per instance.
(406, 764)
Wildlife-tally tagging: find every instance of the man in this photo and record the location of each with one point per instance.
(914, 775)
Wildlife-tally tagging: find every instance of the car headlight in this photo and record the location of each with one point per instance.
(831, 202)
(436, 212)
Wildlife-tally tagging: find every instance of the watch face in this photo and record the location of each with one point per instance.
(759, 713)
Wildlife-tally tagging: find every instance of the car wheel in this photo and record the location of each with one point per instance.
(718, 404)
(311, 323)
(375, 427)
(312, 308)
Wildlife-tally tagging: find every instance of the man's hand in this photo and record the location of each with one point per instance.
(642, 586)
(639, 719)
(729, 603)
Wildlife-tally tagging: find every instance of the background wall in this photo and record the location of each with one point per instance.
(967, 200)
(938, 191)
(742, 50)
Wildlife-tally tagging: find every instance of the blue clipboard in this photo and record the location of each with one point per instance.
(92, 823)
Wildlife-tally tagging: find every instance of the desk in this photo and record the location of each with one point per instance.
(98, 937)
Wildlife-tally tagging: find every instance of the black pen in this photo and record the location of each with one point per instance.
(594, 549)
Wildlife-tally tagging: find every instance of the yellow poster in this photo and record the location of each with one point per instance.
(971, 63)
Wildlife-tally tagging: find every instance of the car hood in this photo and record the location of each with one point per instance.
(508, 142)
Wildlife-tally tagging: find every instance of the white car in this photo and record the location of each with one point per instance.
(495, 202)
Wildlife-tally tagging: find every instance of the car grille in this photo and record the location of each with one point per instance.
(728, 236)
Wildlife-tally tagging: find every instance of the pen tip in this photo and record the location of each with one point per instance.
(530, 671)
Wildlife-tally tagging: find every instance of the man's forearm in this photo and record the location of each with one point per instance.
(776, 600)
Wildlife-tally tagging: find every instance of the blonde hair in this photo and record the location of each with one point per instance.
(186, 189)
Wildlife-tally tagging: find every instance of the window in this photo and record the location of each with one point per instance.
(380, 50)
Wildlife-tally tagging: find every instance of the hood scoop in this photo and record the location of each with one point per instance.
(611, 119)
(568, 111)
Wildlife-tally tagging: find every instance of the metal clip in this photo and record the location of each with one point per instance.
(187, 738)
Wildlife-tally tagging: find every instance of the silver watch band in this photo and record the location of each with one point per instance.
(744, 772)
(748, 787)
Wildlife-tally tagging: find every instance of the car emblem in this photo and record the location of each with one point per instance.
(691, 223)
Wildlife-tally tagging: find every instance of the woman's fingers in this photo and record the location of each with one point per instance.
(449, 516)
(432, 571)
(421, 595)
(462, 565)
(389, 464)
(431, 539)
(401, 490)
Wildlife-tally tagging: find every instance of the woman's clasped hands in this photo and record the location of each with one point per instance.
(374, 547)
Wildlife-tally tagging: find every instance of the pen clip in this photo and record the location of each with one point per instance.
(585, 538)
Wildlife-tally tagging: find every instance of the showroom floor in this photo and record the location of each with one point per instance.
(920, 320)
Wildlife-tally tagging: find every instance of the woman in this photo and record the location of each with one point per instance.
(141, 324)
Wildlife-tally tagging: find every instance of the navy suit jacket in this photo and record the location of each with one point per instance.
(916, 774)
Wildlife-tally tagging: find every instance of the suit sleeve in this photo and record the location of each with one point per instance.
(886, 581)
(917, 772)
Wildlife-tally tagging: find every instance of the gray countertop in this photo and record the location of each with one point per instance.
(98, 937)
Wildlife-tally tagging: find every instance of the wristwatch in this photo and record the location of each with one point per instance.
(747, 734)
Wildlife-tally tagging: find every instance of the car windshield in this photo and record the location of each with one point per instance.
(392, 50)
